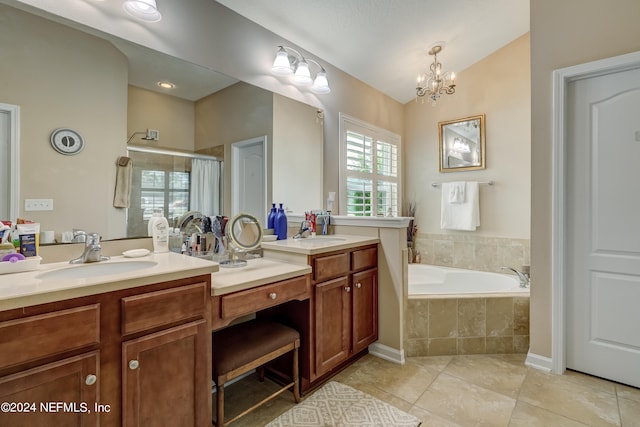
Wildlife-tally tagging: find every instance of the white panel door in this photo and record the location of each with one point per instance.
(603, 226)
(249, 177)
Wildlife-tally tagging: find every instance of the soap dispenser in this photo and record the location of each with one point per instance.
(281, 224)
(271, 219)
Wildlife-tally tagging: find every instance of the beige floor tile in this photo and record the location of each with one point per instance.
(439, 363)
(466, 404)
(490, 373)
(430, 419)
(629, 412)
(406, 382)
(525, 415)
(627, 392)
(572, 396)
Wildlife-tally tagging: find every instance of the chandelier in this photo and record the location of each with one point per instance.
(435, 83)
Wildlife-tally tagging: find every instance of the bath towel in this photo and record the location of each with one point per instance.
(122, 193)
(460, 216)
(456, 192)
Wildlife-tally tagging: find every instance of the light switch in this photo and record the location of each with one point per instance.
(38, 204)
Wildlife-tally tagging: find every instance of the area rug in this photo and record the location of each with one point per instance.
(339, 405)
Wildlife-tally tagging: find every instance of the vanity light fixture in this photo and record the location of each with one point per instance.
(435, 82)
(290, 62)
(146, 10)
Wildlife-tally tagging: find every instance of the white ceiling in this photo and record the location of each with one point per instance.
(384, 42)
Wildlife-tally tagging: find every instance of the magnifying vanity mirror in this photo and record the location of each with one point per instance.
(245, 234)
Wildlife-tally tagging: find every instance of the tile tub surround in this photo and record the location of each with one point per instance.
(450, 326)
(473, 252)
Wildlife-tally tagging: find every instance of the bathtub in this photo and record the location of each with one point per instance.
(454, 311)
(431, 280)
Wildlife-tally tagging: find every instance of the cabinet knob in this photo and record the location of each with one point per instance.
(91, 379)
(133, 364)
(273, 295)
(347, 288)
(358, 285)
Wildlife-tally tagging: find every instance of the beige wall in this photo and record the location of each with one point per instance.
(563, 33)
(499, 87)
(55, 85)
(173, 117)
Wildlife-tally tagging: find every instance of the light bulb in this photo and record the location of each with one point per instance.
(281, 64)
(302, 75)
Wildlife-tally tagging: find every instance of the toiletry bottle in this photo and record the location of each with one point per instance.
(271, 219)
(160, 235)
(157, 213)
(281, 224)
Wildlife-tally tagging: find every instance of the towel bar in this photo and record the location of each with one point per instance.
(438, 184)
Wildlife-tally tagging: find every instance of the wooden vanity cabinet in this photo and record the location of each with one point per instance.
(80, 351)
(345, 306)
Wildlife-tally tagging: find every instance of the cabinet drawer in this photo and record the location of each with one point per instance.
(330, 266)
(35, 337)
(154, 309)
(252, 300)
(364, 258)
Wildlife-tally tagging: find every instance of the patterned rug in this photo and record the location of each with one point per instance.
(336, 404)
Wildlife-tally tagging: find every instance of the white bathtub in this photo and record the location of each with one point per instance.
(426, 280)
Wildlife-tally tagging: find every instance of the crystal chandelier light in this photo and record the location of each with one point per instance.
(435, 83)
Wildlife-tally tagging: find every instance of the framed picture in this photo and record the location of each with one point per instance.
(462, 144)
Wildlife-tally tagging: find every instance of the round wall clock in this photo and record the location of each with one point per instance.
(66, 141)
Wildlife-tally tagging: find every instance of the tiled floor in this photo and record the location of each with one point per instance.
(482, 390)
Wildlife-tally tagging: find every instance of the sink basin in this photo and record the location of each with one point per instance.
(83, 271)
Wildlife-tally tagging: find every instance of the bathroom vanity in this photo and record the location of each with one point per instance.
(133, 347)
(111, 350)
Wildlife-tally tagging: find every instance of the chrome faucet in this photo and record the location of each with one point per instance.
(305, 230)
(92, 250)
(523, 277)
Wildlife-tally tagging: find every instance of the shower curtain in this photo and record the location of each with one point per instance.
(205, 186)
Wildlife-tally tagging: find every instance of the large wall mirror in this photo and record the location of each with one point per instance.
(462, 144)
(106, 90)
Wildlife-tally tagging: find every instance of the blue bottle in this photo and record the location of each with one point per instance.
(281, 224)
(271, 219)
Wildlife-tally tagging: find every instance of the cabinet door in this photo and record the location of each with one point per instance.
(365, 309)
(63, 393)
(166, 377)
(333, 320)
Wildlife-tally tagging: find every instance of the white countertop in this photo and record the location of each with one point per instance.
(319, 244)
(257, 272)
(27, 288)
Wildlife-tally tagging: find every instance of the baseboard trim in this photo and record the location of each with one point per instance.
(536, 361)
(387, 353)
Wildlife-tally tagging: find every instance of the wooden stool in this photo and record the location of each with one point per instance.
(240, 348)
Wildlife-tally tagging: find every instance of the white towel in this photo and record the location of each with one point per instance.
(460, 216)
(456, 192)
(122, 193)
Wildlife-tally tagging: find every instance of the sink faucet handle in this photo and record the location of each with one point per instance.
(93, 239)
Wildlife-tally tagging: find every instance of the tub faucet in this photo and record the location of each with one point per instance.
(523, 277)
(92, 250)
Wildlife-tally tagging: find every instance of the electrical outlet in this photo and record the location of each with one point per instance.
(38, 204)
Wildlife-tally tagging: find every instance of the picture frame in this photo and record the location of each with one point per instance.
(462, 144)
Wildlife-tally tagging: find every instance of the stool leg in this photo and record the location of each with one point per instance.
(220, 404)
(296, 376)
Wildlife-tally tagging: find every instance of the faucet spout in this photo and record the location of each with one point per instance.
(524, 279)
(305, 230)
(92, 251)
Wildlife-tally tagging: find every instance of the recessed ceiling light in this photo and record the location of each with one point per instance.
(166, 85)
(147, 10)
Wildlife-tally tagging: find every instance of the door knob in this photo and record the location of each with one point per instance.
(133, 364)
(347, 288)
(358, 285)
(90, 379)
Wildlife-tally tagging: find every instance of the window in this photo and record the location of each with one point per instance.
(370, 169)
